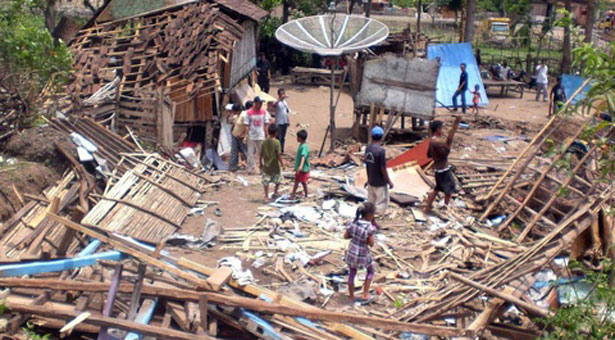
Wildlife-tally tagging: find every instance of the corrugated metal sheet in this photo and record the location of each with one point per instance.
(571, 83)
(451, 56)
(400, 84)
(244, 53)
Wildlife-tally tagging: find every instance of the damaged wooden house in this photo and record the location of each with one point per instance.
(163, 68)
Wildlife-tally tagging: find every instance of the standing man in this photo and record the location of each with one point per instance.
(461, 89)
(238, 135)
(479, 58)
(256, 121)
(281, 116)
(542, 80)
(439, 151)
(264, 72)
(378, 181)
(557, 97)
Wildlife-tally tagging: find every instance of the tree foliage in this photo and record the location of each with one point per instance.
(27, 44)
(30, 58)
(505, 7)
(591, 315)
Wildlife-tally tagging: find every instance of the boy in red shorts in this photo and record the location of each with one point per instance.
(302, 164)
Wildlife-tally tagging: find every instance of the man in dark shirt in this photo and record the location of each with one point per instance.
(378, 181)
(439, 151)
(461, 89)
(479, 59)
(557, 97)
(264, 72)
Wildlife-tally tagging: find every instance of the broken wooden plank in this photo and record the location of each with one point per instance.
(220, 277)
(132, 252)
(104, 321)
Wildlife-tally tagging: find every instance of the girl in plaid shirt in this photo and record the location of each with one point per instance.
(361, 234)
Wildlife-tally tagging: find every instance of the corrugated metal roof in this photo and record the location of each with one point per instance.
(121, 9)
(400, 84)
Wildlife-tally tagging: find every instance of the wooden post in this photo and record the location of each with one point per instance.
(115, 283)
(332, 103)
(69, 234)
(136, 294)
(372, 120)
(203, 310)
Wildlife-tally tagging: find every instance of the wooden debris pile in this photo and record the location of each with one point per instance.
(149, 202)
(126, 69)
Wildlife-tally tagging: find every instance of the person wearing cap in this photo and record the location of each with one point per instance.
(378, 181)
(257, 120)
(438, 151)
(238, 135)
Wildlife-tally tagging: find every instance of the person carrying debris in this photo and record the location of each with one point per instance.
(256, 120)
(271, 163)
(378, 181)
(302, 164)
(557, 97)
(361, 234)
(461, 89)
(281, 116)
(238, 135)
(439, 151)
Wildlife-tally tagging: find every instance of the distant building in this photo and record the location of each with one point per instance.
(578, 10)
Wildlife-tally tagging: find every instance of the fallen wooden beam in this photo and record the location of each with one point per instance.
(312, 312)
(530, 308)
(132, 252)
(104, 321)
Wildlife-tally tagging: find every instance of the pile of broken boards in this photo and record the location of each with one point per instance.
(467, 271)
(88, 257)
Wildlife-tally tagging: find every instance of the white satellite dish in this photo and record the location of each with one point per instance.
(332, 34)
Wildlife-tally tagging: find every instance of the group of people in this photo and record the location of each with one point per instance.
(362, 229)
(260, 135)
(557, 96)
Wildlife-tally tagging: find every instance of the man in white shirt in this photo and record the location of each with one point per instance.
(281, 116)
(542, 80)
(257, 121)
(504, 70)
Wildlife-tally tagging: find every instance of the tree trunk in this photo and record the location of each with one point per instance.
(468, 34)
(566, 52)
(419, 9)
(285, 10)
(589, 20)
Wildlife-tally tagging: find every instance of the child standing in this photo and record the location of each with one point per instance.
(270, 161)
(302, 164)
(476, 99)
(361, 234)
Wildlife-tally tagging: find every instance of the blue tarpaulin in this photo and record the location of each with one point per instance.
(451, 56)
(572, 83)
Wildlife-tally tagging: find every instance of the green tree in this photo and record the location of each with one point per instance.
(590, 316)
(30, 58)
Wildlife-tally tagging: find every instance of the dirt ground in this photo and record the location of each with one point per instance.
(310, 110)
(241, 206)
(30, 163)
